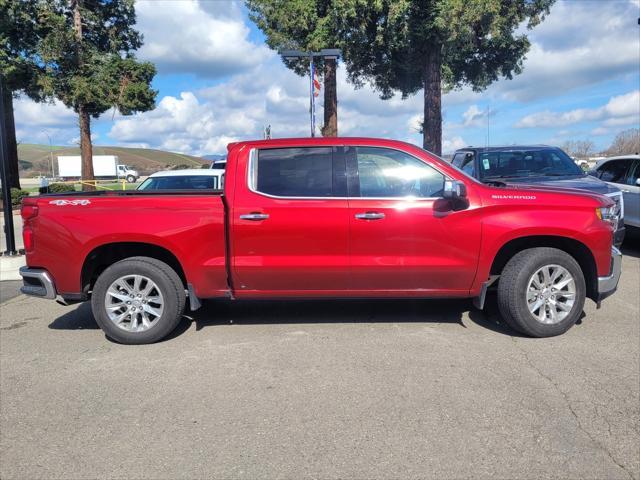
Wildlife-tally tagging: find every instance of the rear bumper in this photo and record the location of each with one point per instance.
(37, 282)
(608, 285)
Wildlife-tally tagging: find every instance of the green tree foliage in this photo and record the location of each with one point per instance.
(90, 67)
(83, 50)
(20, 70)
(409, 45)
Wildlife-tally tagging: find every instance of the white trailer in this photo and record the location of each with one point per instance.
(104, 166)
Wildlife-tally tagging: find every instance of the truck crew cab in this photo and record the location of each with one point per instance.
(323, 218)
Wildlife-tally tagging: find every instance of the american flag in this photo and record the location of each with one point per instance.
(316, 83)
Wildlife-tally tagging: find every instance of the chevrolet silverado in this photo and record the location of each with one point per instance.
(323, 218)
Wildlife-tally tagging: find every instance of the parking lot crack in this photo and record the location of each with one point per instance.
(567, 402)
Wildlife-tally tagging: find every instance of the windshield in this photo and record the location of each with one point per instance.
(527, 163)
(185, 182)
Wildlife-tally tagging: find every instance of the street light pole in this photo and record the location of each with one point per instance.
(327, 54)
(50, 153)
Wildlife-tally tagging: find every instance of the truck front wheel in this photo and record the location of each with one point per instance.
(138, 300)
(131, 179)
(541, 292)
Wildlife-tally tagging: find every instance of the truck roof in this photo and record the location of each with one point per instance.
(319, 141)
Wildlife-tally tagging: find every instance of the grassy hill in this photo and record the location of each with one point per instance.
(34, 159)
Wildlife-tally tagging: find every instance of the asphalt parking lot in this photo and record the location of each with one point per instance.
(348, 389)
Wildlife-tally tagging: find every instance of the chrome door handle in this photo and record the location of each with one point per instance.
(254, 217)
(369, 216)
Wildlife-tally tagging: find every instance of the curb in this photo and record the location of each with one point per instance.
(10, 266)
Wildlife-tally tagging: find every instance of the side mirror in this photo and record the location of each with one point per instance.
(454, 189)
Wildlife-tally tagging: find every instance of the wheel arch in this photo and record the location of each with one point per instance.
(107, 254)
(578, 250)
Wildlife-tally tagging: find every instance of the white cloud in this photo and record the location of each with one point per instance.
(204, 121)
(620, 110)
(474, 117)
(449, 145)
(209, 39)
(578, 44)
(43, 115)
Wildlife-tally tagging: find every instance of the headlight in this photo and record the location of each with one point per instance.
(609, 215)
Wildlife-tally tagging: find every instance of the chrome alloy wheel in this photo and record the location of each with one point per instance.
(134, 303)
(551, 293)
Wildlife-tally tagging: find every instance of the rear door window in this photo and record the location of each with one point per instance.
(294, 172)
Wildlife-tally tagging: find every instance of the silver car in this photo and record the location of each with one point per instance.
(624, 173)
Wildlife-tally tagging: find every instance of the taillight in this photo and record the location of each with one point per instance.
(27, 237)
(28, 211)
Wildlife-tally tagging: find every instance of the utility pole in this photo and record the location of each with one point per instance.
(4, 176)
(488, 125)
(50, 153)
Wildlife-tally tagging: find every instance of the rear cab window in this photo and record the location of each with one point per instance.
(181, 182)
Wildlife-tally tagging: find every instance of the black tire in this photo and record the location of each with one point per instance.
(131, 179)
(513, 285)
(166, 280)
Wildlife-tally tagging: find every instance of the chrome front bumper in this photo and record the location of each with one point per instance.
(37, 283)
(607, 285)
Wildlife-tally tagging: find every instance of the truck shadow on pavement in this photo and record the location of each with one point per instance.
(263, 312)
(224, 312)
(80, 318)
(450, 311)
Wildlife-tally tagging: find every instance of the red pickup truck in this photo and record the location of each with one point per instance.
(323, 218)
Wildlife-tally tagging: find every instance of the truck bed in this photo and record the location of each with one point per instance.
(188, 226)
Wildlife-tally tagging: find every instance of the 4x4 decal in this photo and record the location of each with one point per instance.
(61, 203)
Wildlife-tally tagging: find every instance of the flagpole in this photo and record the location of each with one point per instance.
(312, 107)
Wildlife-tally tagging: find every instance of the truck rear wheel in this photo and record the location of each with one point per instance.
(138, 300)
(541, 292)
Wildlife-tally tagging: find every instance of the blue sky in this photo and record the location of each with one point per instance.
(218, 82)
